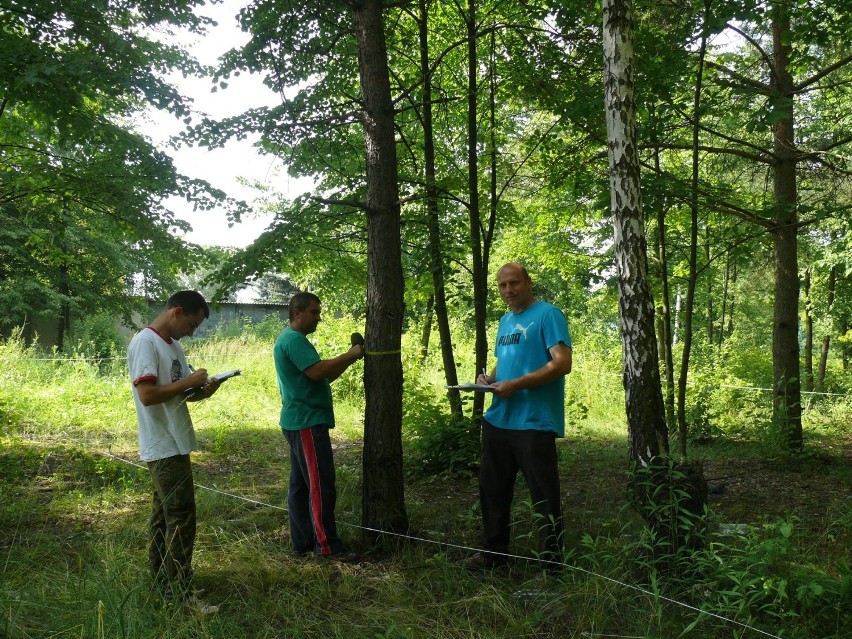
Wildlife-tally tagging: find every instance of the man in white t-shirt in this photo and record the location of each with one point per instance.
(161, 379)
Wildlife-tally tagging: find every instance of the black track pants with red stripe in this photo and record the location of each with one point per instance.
(312, 495)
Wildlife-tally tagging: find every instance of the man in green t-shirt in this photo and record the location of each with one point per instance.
(307, 415)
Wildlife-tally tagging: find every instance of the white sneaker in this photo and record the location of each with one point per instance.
(194, 605)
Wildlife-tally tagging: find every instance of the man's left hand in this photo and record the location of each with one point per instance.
(506, 388)
(209, 388)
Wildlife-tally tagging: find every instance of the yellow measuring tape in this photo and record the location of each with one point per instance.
(383, 352)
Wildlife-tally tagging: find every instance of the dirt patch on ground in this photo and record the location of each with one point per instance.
(750, 490)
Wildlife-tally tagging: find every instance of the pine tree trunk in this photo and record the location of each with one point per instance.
(787, 396)
(382, 494)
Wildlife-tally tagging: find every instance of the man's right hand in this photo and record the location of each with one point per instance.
(196, 378)
(357, 351)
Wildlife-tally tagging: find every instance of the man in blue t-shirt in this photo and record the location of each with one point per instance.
(307, 414)
(526, 415)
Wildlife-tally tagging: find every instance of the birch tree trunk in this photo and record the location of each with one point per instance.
(382, 493)
(671, 498)
(643, 395)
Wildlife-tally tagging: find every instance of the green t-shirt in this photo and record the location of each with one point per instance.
(304, 402)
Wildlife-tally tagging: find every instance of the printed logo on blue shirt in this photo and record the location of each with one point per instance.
(514, 338)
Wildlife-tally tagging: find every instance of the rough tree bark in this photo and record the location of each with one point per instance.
(382, 493)
(787, 395)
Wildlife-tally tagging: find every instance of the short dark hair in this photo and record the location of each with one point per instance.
(300, 301)
(190, 301)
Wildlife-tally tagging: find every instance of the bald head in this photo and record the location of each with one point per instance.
(515, 286)
(514, 266)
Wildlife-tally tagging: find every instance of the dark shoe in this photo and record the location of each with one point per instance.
(346, 557)
(484, 561)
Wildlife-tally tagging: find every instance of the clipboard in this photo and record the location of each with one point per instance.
(220, 376)
(470, 386)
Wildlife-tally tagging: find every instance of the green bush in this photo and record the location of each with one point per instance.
(436, 442)
(268, 329)
(96, 336)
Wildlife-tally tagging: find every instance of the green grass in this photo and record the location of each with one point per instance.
(73, 521)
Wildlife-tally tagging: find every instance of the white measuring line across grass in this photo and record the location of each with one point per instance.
(476, 550)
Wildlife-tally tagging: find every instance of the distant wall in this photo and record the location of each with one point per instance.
(223, 313)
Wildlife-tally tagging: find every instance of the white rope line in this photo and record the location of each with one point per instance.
(477, 550)
(691, 383)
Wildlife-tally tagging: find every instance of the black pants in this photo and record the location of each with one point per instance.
(533, 452)
(312, 495)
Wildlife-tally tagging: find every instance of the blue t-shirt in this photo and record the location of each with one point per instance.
(523, 343)
(304, 402)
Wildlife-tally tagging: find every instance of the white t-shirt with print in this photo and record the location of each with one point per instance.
(165, 430)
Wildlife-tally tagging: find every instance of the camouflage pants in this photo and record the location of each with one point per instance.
(172, 524)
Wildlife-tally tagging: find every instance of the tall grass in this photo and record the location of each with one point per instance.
(73, 521)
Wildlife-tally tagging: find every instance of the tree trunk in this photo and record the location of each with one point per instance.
(427, 328)
(787, 395)
(732, 297)
(664, 318)
(382, 494)
(708, 260)
(723, 312)
(809, 334)
(693, 251)
(480, 275)
(65, 307)
(826, 340)
(435, 253)
(644, 400)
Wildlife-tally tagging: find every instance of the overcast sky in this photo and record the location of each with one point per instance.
(221, 167)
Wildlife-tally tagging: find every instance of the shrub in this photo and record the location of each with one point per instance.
(96, 336)
(437, 443)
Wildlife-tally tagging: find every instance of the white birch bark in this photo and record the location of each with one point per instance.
(643, 393)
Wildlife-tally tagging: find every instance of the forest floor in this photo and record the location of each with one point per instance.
(746, 487)
(68, 512)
